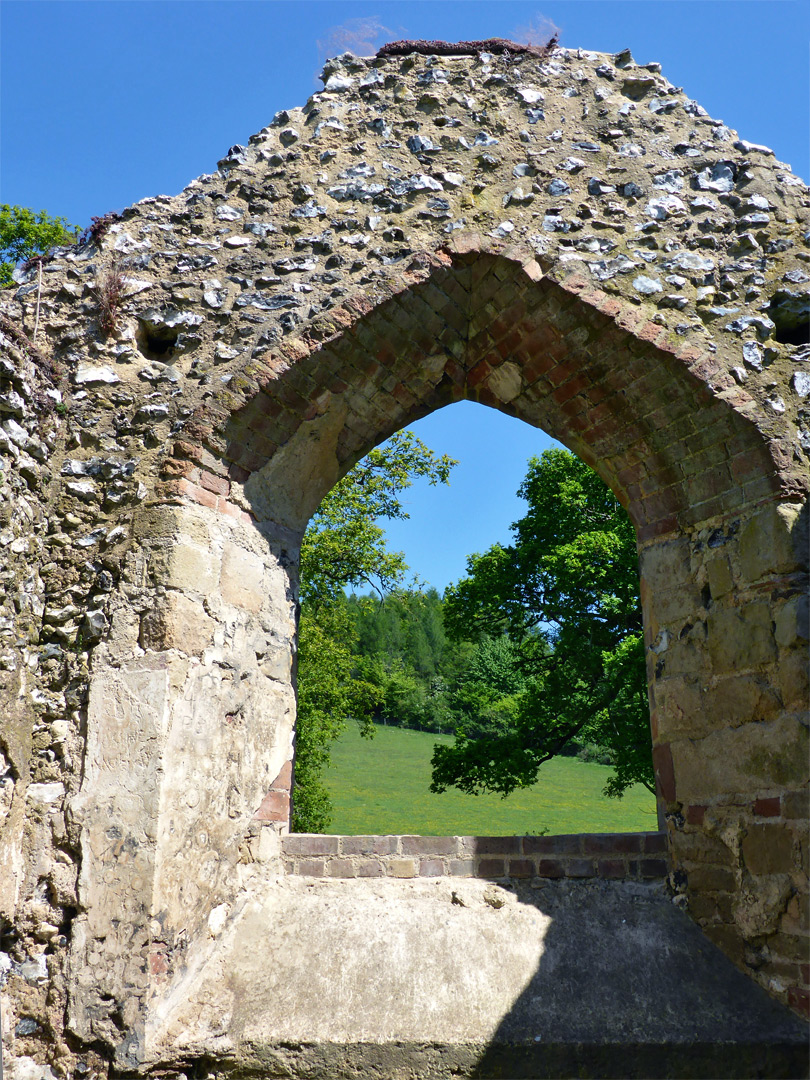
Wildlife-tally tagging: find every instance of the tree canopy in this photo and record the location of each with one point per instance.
(565, 594)
(25, 232)
(344, 546)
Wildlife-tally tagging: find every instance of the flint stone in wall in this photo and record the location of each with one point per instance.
(169, 319)
(25, 1068)
(719, 177)
(91, 375)
(172, 546)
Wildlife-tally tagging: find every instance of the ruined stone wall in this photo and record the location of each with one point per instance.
(571, 240)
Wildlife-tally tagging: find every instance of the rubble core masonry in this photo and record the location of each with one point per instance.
(567, 238)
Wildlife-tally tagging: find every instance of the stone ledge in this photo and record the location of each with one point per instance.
(614, 856)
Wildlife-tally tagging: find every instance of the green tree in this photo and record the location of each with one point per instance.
(344, 546)
(329, 693)
(24, 233)
(566, 592)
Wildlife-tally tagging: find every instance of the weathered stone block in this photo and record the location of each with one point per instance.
(741, 638)
(759, 903)
(312, 867)
(793, 622)
(793, 679)
(665, 563)
(757, 755)
(768, 849)
(185, 566)
(431, 868)
(796, 804)
(242, 578)
(718, 571)
(774, 541)
(176, 622)
(170, 522)
(711, 879)
(370, 868)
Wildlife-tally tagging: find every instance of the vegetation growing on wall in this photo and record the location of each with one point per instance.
(25, 233)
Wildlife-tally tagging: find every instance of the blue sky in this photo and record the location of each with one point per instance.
(104, 102)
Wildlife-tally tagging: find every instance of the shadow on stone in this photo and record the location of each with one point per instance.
(628, 987)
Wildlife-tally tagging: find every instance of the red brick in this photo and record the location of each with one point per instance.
(665, 526)
(611, 868)
(309, 844)
(664, 771)
(579, 868)
(173, 467)
(429, 845)
(496, 845)
(368, 845)
(771, 807)
(431, 868)
(567, 844)
(198, 494)
(340, 868)
(575, 283)
(477, 374)
(275, 807)
(799, 999)
(237, 474)
(609, 305)
(232, 510)
(521, 868)
(612, 843)
(550, 868)
(311, 867)
(284, 778)
(655, 844)
(653, 868)
(158, 961)
(491, 868)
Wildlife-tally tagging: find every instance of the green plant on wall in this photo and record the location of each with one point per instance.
(25, 233)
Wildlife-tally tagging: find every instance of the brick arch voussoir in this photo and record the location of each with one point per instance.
(662, 421)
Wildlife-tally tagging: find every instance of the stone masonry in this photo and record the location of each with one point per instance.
(569, 239)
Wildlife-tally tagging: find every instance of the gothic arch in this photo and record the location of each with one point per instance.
(391, 248)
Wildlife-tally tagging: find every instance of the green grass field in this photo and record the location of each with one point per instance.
(381, 785)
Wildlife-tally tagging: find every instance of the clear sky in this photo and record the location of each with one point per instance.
(107, 101)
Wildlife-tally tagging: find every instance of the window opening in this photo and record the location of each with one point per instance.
(416, 688)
